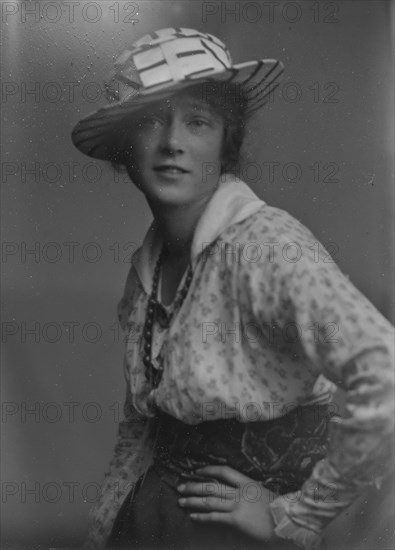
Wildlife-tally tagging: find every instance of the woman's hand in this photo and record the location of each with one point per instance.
(229, 497)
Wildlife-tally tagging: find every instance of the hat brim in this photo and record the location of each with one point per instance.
(93, 134)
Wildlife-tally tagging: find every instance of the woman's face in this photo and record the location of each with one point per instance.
(175, 149)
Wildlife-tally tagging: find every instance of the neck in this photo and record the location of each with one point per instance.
(177, 225)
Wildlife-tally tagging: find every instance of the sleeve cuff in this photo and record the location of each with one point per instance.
(285, 528)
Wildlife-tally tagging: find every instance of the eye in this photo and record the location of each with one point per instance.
(150, 120)
(198, 122)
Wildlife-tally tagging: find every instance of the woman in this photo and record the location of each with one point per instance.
(234, 346)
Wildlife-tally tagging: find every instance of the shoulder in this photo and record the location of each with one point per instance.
(272, 239)
(268, 223)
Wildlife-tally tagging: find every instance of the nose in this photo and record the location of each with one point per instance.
(171, 141)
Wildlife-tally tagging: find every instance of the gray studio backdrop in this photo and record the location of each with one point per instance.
(321, 150)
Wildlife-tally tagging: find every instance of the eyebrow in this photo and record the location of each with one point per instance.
(203, 106)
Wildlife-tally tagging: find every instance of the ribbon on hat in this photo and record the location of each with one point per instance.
(124, 80)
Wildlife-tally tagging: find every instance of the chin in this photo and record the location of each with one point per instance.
(167, 195)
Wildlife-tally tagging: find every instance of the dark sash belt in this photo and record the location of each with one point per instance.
(280, 453)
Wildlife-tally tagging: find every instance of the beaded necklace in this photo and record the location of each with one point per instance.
(156, 309)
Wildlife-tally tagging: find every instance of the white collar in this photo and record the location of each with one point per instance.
(232, 202)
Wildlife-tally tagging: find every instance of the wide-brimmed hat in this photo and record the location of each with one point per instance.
(162, 63)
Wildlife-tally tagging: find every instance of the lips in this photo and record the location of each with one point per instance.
(170, 169)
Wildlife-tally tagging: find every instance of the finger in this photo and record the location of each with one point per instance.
(224, 473)
(208, 488)
(206, 504)
(217, 517)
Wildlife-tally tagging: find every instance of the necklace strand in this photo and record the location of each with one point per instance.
(153, 374)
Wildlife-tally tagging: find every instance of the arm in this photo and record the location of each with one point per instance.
(359, 453)
(132, 452)
(358, 358)
(130, 459)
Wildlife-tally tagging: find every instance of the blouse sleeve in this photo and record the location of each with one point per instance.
(351, 344)
(131, 457)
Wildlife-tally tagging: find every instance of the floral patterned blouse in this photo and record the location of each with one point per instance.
(269, 323)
